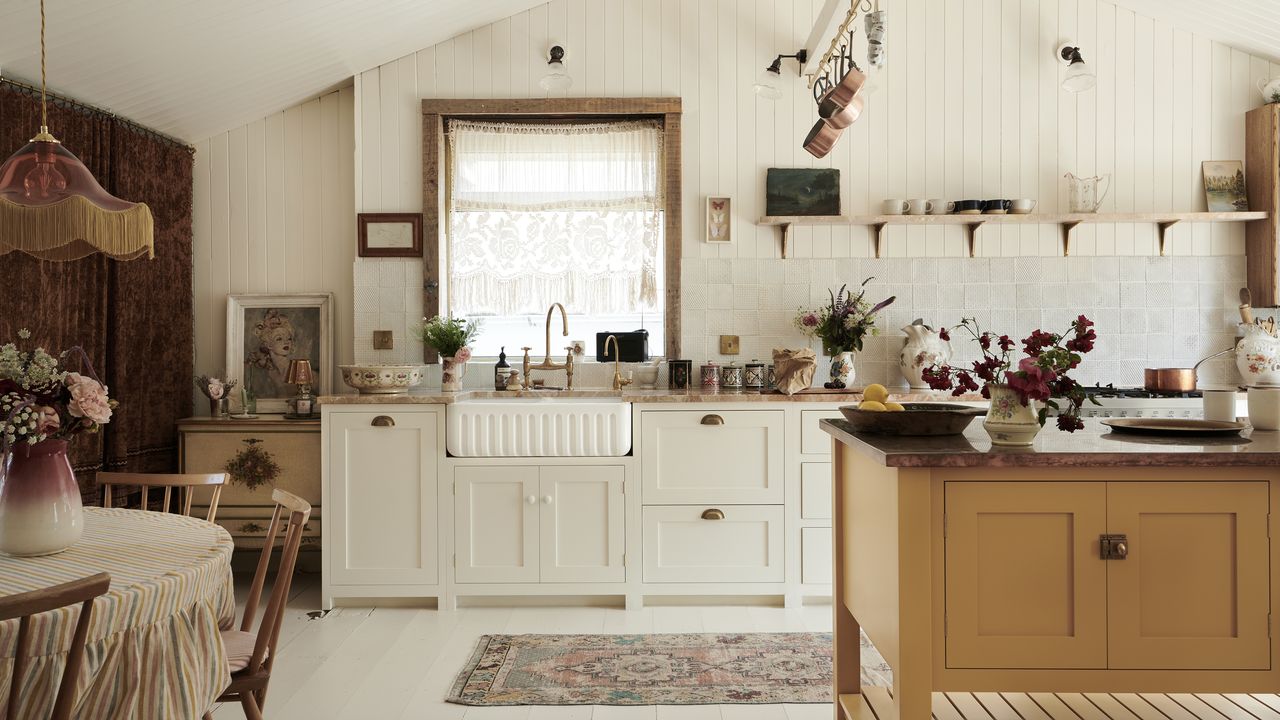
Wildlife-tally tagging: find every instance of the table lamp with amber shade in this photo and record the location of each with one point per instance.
(300, 374)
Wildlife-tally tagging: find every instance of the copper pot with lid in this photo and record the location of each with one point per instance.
(1175, 380)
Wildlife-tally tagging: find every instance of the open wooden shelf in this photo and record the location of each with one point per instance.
(1067, 221)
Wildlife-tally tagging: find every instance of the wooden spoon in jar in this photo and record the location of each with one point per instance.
(1246, 306)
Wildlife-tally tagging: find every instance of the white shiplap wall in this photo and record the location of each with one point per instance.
(273, 212)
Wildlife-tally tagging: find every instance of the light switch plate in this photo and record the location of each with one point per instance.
(383, 340)
(729, 345)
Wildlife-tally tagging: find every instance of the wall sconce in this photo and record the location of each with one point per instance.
(556, 79)
(769, 85)
(1078, 77)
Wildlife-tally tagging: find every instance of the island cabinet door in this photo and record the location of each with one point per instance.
(496, 524)
(1024, 585)
(581, 524)
(1193, 590)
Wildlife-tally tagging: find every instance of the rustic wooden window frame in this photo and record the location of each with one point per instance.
(435, 113)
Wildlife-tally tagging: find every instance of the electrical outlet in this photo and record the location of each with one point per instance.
(729, 345)
(383, 340)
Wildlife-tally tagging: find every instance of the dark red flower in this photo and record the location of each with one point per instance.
(1034, 344)
(1005, 343)
(1070, 423)
(942, 333)
(937, 377)
(964, 384)
(984, 341)
(1031, 381)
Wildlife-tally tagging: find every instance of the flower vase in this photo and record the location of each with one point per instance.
(842, 370)
(451, 374)
(40, 510)
(1008, 421)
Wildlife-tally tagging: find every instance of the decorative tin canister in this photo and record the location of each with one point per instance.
(731, 377)
(678, 372)
(771, 378)
(711, 376)
(754, 376)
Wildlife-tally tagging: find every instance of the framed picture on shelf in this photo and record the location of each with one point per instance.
(389, 234)
(266, 331)
(1224, 186)
(802, 191)
(719, 220)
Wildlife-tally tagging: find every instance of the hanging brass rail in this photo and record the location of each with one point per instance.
(822, 67)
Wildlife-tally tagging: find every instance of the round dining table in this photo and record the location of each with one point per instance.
(153, 648)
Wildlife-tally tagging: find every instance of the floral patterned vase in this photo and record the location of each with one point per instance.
(1008, 421)
(842, 369)
(40, 511)
(451, 374)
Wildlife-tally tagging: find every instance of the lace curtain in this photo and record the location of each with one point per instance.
(554, 212)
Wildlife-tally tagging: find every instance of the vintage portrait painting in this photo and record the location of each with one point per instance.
(266, 332)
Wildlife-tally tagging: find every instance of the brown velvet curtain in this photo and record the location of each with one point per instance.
(133, 319)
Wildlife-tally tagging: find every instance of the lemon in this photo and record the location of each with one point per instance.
(893, 407)
(871, 405)
(876, 393)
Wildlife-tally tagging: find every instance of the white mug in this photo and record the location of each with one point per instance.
(1264, 408)
(1023, 205)
(918, 206)
(893, 207)
(940, 207)
(1219, 405)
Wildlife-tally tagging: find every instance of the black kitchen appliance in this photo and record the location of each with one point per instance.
(633, 346)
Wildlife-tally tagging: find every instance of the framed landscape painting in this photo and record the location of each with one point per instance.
(266, 331)
(1224, 186)
(802, 191)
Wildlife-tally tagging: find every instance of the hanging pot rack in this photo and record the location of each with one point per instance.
(846, 29)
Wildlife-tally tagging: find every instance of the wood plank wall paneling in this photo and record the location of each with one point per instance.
(274, 211)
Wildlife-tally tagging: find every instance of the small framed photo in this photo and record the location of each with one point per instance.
(390, 234)
(266, 331)
(1224, 186)
(719, 220)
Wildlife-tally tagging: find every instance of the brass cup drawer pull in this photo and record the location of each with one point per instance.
(712, 420)
(383, 421)
(713, 514)
(1113, 547)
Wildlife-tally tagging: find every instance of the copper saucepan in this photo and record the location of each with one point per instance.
(822, 137)
(1175, 380)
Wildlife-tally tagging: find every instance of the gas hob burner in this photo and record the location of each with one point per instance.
(1137, 393)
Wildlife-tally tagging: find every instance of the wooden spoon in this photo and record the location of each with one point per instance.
(1246, 303)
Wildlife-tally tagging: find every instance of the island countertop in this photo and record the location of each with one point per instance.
(1094, 446)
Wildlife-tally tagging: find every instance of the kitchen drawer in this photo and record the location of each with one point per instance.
(724, 457)
(813, 441)
(815, 556)
(681, 546)
(815, 491)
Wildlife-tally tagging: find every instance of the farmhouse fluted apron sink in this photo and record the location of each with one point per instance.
(539, 427)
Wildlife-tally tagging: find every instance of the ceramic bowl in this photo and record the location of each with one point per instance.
(381, 379)
(647, 376)
(916, 419)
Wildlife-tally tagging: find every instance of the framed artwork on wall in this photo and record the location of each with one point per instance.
(265, 331)
(719, 220)
(389, 234)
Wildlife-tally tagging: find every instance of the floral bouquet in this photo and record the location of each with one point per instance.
(41, 401)
(1040, 375)
(450, 336)
(842, 323)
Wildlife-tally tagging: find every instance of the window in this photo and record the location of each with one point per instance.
(547, 211)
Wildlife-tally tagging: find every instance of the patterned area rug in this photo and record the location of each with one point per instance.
(677, 669)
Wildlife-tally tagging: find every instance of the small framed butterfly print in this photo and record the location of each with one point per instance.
(719, 220)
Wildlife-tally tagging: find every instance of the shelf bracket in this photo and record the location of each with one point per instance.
(971, 229)
(879, 231)
(785, 229)
(1164, 233)
(1067, 227)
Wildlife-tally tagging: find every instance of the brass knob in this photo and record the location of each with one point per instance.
(712, 420)
(383, 421)
(712, 514)
(1122, 549)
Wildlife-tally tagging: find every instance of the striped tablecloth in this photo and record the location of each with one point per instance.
(153, 648)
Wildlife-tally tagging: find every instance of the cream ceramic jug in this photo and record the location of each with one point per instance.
(1258, 356)
(1084, 195)
(1270, 89)
(924, 348)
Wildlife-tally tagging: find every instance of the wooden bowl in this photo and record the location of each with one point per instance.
(916, 419)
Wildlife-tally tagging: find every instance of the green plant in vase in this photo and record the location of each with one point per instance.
(451, 338)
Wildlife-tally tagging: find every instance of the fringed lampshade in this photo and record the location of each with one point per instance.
(51, 206)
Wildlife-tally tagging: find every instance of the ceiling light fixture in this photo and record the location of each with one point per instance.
(769, 84)
(556, 79)
(51, 206)
(1079, 77)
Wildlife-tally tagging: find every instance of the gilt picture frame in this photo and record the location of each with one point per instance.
(267, 330)
(389, 234)
(1224, 189)
(719, 219)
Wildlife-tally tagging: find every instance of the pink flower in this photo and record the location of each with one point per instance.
(88, 399)
(1031, 381)
(48, 420)
(463, 354)
(809, 320)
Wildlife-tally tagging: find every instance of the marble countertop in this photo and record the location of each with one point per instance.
(428, 396)
(1093, 446)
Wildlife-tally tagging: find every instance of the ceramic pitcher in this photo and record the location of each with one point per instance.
(1084, 197)
(1258, 356)
(924, 348)
(1270, 89)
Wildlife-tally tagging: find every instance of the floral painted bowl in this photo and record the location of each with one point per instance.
(381, 379)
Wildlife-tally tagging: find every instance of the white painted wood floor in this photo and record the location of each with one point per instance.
(388, 663)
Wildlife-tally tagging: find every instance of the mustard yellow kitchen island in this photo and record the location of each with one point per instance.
(1087, 563)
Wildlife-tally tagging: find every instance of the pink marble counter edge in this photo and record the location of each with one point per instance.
(694, 395)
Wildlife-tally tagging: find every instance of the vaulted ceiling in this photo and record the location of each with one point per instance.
(1249, 25)
(194, 68)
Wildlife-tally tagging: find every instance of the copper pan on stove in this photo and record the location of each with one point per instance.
(1175, 380)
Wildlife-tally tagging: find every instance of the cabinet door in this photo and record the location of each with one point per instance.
(695, 544)
(1193, 592)
(496, 524)
(582, 527)
(1025, 587)
(383, 498)
(719, 458)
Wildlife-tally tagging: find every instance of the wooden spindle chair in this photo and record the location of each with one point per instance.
(185, 484)
(24, 605)
(251, 655)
